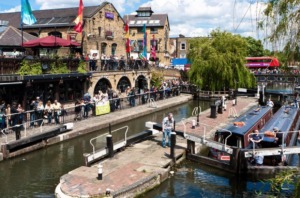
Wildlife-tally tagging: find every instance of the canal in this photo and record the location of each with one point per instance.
(36, 174)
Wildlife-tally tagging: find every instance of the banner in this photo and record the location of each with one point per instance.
(26, 13)
(102, 108)
(79, 19)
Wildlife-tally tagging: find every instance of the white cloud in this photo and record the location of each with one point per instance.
(198, 18)
(15, 9)
(50, 4)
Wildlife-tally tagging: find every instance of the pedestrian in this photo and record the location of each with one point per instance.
(255, 139)
(167, 126)
(270, 103)
(40, 112)
(77, 110)
(49, 110)
(57, 111)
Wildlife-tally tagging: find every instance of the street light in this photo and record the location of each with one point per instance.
(198, 106)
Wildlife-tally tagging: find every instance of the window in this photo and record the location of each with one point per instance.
(113, 48)
(55, 33)
(99, 31)
(182, 46)
(153, 43)
(140, 45)
(140, 30)
(103, 48)
(131, 22)
(153, 30)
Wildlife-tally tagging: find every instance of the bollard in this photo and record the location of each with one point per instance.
(110, 145)
(193, 124)
(18, 131)
(173, 144)
(100, 171)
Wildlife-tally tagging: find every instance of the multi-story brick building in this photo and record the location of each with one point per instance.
(102, 31)
(157, 28)
(179, 46)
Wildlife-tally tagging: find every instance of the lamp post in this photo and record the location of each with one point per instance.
(236, 90)
(198, 106)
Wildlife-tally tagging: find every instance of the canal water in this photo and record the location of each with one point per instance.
(36, 174)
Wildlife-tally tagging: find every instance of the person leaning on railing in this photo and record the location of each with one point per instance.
(49, 110)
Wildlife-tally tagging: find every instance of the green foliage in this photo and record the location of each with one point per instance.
(254, 47)
(218, 62)
(283, 21)
(58, 67)
(82, 67)
(157, 78)
(32, 68)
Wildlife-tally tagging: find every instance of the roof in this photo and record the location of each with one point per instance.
(250, 118)
(53, 17)
(11, 36)
(144, 9)
(155, 20)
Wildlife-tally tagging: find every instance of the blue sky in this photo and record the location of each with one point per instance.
(187, 17)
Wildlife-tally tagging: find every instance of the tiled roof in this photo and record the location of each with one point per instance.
(52, 18)
(11, 36)
(155, 20)
(143, 9)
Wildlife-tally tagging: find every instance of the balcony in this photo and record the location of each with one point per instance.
(10, 66)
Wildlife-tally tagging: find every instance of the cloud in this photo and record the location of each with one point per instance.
(51, 4)
(198, 18)
(15, 9)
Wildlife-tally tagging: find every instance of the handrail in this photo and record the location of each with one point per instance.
(195, 111)
(112, 132)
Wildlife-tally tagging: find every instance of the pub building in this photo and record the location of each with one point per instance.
(103, 33)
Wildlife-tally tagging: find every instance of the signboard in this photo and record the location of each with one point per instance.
(109, 15)
(102, 108)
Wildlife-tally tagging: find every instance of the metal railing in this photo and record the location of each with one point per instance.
(33, 118)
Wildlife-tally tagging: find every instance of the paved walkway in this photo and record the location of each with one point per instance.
(140, 167)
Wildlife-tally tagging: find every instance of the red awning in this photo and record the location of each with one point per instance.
(50, 41)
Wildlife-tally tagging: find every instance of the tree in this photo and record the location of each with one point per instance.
(254, 47)
(283, 21)
(218, 62)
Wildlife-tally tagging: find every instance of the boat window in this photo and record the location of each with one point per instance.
(239, 142)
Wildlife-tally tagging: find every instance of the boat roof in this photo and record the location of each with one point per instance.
(250, 118)
(282, 119)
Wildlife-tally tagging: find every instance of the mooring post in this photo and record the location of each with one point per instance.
(110, 145)
(18, 131)
(109, 128)
(190, 147)
(173, 144)
(100, 171)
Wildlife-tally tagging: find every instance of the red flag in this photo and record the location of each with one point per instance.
(127, 44)
(79, 19)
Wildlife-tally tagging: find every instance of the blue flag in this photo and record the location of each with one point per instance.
(145, 42)
(26, 13)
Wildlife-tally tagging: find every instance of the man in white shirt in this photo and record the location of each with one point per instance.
(167, 126)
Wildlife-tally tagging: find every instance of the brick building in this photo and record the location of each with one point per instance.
(102, 31)
(157, 27)
(179, 46)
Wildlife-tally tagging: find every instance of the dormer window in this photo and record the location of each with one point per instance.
(144, 14)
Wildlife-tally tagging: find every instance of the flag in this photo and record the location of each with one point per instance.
(145, 42)
(141, 56)
(153, 49)
(26, 13)
(79, 19)
(127, 44)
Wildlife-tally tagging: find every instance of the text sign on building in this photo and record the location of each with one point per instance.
(109, 15)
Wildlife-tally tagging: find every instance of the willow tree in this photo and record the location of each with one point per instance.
(283, 23)
(218, 62)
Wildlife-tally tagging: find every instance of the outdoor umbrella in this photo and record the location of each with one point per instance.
(50, 41)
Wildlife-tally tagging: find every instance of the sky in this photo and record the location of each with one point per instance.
(187, 17)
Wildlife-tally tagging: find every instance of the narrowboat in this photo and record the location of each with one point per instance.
(286, 122)
(236, 133)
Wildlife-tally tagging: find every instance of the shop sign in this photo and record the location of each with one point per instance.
(109, 15)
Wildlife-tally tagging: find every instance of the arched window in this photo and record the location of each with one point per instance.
(103, 48)
(113, 49)
(55, 33)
